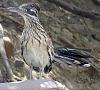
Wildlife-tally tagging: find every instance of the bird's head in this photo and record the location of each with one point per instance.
(31, 9)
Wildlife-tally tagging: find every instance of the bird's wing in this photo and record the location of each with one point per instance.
(50, 50)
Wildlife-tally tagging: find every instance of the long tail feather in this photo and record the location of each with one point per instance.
(74, 57)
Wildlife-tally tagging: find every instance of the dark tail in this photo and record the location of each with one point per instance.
(80, 57)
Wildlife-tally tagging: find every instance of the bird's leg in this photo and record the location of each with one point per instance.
(30, 72)
(41, 73)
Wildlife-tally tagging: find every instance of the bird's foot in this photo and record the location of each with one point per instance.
(40, 76)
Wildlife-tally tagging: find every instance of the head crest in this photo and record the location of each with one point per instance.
(36, 5)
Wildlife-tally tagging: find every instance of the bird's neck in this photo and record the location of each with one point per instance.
(29, 20)
(34, 28)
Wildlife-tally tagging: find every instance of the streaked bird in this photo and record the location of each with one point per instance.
(36, 46)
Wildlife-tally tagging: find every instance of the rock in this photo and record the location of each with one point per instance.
(19, 63)
(9, 48)
(1, 77)
(67, 33)
(96, 36)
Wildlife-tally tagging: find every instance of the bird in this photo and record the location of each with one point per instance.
(36, 45)
(37, 48)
